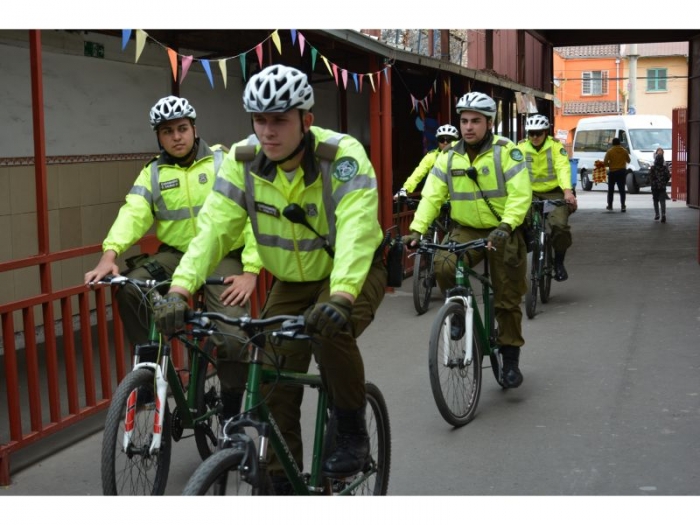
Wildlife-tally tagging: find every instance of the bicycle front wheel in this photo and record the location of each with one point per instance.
(129, 468)
(456, 385)
(546, 281)
(222, 474)
(375, 479)
(206, 430)
(423, 281)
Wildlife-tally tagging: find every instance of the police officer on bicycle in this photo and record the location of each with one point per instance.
(337, 282)
(485, 178)
(550, 175)
(169, 192)
(446, 135)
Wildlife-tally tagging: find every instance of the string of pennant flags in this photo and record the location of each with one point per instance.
(338, 73)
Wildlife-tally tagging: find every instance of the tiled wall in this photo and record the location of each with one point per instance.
(83, 200)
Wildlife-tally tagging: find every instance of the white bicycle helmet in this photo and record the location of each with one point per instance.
(171, 108)
(478, 102)
(536, 123)
(447, 130)
(278, 89)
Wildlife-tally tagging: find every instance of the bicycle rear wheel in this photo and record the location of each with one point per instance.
(531, 296)
(134, 470)
(548, 271)
(222, 474)
(456, 386)
(208, 391)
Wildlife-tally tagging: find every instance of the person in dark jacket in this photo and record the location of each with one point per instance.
(658, 178)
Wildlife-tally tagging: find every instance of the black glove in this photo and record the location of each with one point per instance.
(500, 235)
(408, 239)
(169, 313)
(328, 318)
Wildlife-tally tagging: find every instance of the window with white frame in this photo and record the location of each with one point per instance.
(656, 79)
(594, 83)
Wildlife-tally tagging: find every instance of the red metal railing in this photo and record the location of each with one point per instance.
(82, 367)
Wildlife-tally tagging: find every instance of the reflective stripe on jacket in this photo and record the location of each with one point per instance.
(501, 175)
(549, 167)
(336, 187)
(172, 197)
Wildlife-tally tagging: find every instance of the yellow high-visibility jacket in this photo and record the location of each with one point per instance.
(549, 167)
(501, 174)
(172, 197)
(336, 187)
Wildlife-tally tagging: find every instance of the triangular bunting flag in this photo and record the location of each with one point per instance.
(302, 40)
(371, 81)
(222, 67)
(345, 78)
(314, 54)
(126, 34)
(294, 36)
(173, 62)
(276, 41)
(207, 69)
(140, 43)
(354, 78)
(362, 77)
(328, 66)
(186, 63)
(259, 51)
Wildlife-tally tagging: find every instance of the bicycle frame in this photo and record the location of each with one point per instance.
(463, 292)
(256, 414)
(167, 376)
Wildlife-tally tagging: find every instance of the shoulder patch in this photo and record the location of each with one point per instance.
(345, 168)
(563, 152)
(516, 154)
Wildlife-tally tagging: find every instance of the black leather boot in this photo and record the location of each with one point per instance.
(559, 270)
(351, 453)
(512, 377)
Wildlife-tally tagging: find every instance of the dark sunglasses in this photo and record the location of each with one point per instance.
(442, 140)
(535, 133)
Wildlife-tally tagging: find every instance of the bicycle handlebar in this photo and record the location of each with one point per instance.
(292, 326)
(121, 280)
(453, 247)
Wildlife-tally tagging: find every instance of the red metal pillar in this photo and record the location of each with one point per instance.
(387, 160)
(42, 206)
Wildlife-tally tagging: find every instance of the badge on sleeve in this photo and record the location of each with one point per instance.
(345, 168)
(563, 152)
(516, 154)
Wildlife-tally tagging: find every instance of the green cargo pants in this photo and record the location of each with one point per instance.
(339, 360)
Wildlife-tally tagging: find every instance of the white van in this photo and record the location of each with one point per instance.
(641, 135)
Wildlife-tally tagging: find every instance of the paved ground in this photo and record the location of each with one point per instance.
(610, 404)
